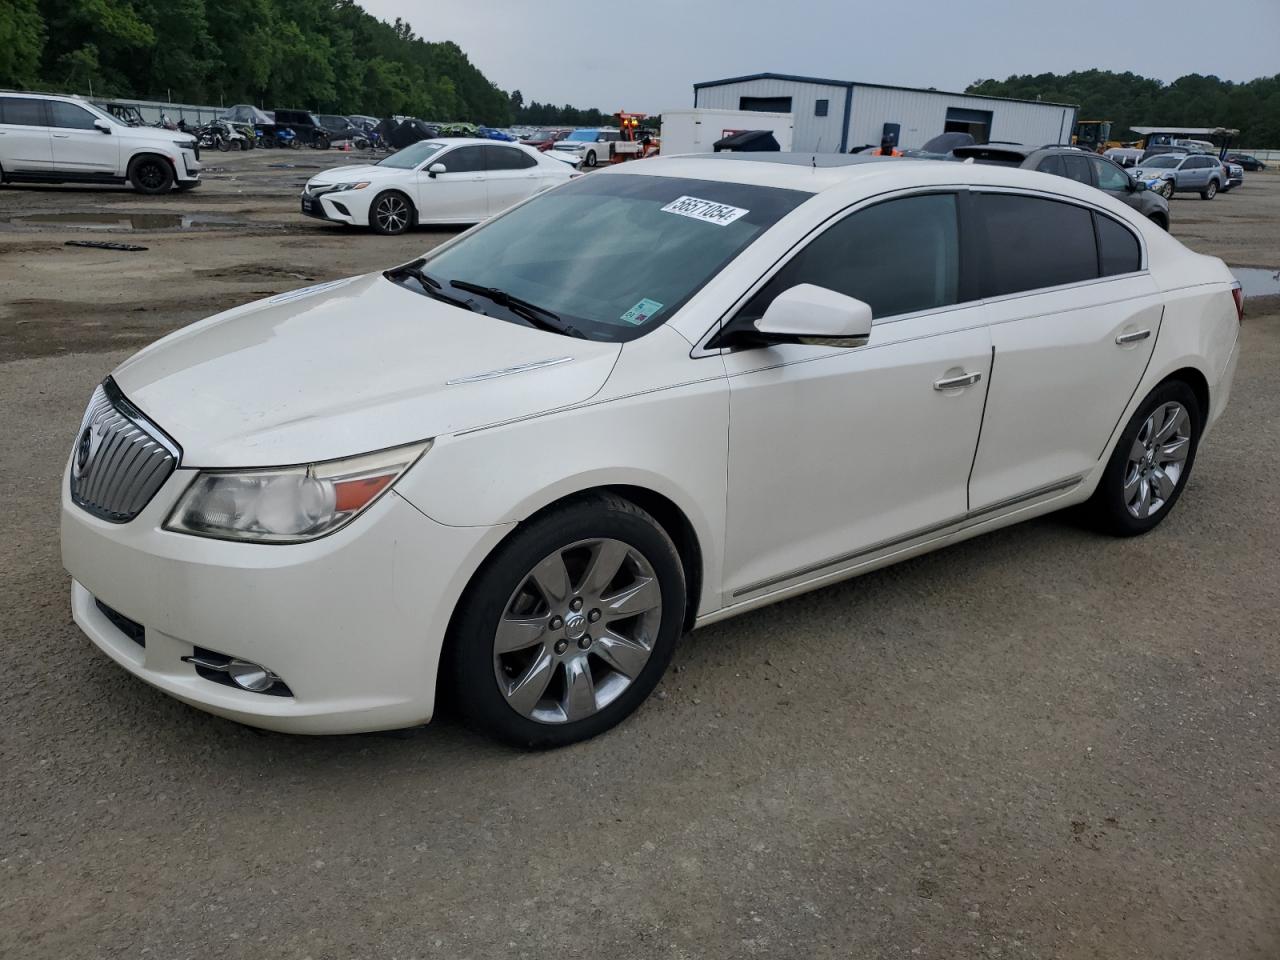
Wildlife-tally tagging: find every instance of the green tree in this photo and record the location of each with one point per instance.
(22, 35)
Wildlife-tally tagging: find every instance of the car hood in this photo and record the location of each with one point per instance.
(357, 171)
(348, 367)
(158, 134)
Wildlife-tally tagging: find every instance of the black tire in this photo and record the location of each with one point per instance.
(222, 145)
(469, 667)
(1160, 221)
(1166, 190)
(590, 160)
(150, 174)
(391, 213)
(1209, 192)
(1107, 508)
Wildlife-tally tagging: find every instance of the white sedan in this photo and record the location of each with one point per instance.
(454, 181)
(515, 471)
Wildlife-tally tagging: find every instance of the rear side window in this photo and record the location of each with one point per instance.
(1052, 164)
(465, 160)
(900, 256)
(1034, 243)
(69, 116)
(509, 158)
(22, 111)
(1077, 168)
(1118, 249)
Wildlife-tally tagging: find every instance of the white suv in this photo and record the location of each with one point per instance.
(52, 139)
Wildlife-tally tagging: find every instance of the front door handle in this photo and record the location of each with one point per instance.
(62, 136)
(1132, 337)
(950, 383)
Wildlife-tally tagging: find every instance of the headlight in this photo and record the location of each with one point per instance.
(288, 504)
(334, 188)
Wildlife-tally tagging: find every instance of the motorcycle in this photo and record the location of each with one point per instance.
(285, 137)
(222, 136)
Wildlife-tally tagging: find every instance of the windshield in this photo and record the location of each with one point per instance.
(613, 255)
(1164, 160)
(582, 135)
(412, 155)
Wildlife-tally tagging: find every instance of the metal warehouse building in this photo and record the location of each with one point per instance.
(838, 115)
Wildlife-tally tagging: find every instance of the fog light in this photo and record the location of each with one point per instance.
(250, 676)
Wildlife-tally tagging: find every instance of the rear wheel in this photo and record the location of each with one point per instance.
(150, 174)
(391, 213)
(569, 626)
(1150, 465)
(1209, 192)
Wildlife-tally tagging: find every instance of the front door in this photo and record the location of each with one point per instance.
(79, 147)
(1073, 323)
(837, 456)
(25, 145)
(461, 194)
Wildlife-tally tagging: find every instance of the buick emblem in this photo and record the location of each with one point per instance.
(86, 447)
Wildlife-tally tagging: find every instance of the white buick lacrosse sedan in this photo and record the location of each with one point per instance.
(515, 471)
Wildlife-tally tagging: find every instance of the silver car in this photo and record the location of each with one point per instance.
(1167, 173)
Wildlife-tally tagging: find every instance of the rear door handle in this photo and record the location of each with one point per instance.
(62, 136)
(1132, 337)
(950, 383)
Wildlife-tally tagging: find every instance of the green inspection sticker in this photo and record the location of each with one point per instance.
(641, 312)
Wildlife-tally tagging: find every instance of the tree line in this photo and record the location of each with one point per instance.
(324, 55)
(1127, 99)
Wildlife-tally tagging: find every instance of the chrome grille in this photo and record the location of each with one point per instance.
(120, 458)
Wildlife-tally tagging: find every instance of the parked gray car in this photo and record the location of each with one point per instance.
(1167, 173)
(1075, 164)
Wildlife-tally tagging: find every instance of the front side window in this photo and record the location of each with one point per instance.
(1034, 243)
(23, 111)
(564, 250)
(412, 156)
(1110, 177)
(69, 116)
(465, 159)
(900, 256)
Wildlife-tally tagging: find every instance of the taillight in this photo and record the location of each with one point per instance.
(1238, 296)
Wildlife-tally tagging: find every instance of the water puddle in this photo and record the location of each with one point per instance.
(121, 221)
(1257, 281)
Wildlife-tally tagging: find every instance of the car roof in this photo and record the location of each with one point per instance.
(853, 175)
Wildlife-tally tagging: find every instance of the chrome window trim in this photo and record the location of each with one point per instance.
(701, 349)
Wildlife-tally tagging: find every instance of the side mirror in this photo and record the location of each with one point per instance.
(102, 126)
(436, 168)
(815, 315)
(1136, 186)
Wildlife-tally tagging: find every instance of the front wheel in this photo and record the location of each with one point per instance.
(569, 626)
(1209, 192)
(390, 214)
(1149, 467)
(591, 158)
(1166, 189)
(151, 174)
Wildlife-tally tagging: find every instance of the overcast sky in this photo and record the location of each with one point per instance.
(645, 55)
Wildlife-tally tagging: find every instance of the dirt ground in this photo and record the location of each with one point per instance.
(1036, 744)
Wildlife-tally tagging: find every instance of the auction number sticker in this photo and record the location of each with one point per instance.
(641, 312)
(708, 211)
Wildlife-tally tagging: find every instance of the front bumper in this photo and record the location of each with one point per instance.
(189, 169)
(331, 207)
(354, 623)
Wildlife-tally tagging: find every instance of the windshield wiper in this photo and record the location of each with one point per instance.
(430, 285)
(537, 316)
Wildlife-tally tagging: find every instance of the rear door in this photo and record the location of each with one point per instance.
(79, 147)
(25, 144)
(461, 194)
(1074, 316)
(513, 175)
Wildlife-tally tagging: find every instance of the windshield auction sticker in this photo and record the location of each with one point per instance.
(708, 211)
(643, 310)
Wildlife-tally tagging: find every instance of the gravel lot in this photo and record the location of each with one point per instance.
(1038, 744)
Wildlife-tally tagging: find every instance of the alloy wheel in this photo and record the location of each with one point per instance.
(577, 631)
(392, 214)
(1157, 460)
(151, 174)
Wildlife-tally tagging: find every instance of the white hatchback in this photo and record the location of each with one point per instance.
(515, 471)
(454, 181)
